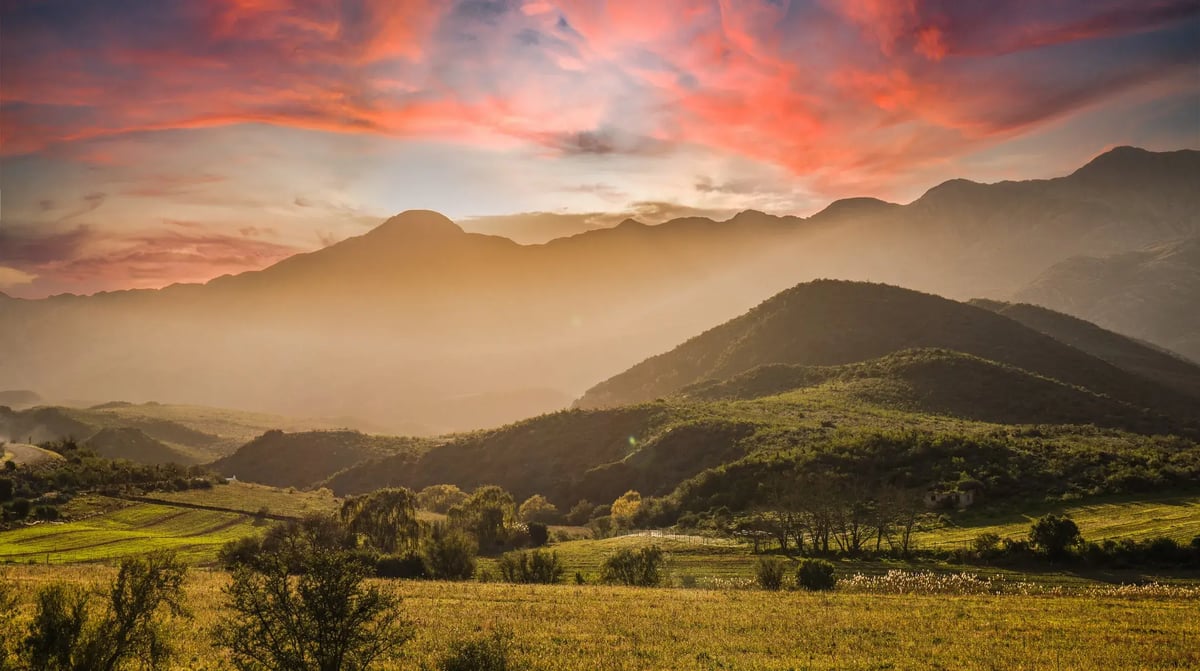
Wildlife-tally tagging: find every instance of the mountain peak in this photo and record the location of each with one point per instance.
(417, 223)
(854, 207)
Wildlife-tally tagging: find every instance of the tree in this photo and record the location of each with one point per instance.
(449, 553)
(440, 498)
(488, 515)
(325, 619)
(625, 507)
(1053, 535)
(21, 507)
(65, 637)
(387, 518)
(580, 513)
(538, 509)
(292, 542)
(6, 489)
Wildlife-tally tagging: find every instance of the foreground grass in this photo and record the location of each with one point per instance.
(572, 628)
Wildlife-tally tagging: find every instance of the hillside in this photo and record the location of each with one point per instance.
(942, 382)
(1122, 351)
(837, 322)
(132, 444)
(534, 325)
(302, 459)
(194, 434)
(1149, 293)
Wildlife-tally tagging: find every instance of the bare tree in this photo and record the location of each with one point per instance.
(325, 619)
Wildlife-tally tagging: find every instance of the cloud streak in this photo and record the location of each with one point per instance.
(847, 97)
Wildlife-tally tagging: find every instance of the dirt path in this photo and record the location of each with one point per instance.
(24, 455)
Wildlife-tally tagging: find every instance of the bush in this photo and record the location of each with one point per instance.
(539, 534)
(770, 572)
(449, 554)
(239, 552)
(489, 653)
(409, 565)
(815, 575)
(639, 568)
(531, 567)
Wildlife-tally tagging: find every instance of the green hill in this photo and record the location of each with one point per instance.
(304, 459)
(943, 382)
(821, 379)
(836, 322)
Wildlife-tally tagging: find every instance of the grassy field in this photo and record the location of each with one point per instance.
(569, 628)
(250, 498)
(118, 530)
(1173, 516)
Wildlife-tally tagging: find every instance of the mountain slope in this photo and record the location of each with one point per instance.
(401, 324)
(1152, 293)
(942, 382)
(132, 444)
(835, 322)
(1121, 351)
(302, 459)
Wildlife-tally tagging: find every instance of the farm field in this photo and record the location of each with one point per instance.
(250, 498)
(124, 530)
(1175, 516)
(568, 627)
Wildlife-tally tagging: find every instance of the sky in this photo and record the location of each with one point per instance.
(146, 142)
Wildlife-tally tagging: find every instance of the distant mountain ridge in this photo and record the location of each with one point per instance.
(402, 323)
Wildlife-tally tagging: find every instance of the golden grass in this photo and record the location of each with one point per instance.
(571, 628)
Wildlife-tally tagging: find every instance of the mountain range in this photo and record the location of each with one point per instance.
(424, 328)
(853, 372)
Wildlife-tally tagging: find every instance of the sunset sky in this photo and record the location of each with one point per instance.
(143, 143)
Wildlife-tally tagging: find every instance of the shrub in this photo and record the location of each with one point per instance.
(488, 653)
(239, 552)
(408, 565)
(531, 567)
(641, 568)
(815, 575)
(449, 554)
(539, 534)
(770, 572)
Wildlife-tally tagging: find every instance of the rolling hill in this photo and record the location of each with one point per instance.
(302, 459)
(836, 322)
(705, 423)
(132, 444)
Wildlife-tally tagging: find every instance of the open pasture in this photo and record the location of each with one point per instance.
(573, 628)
